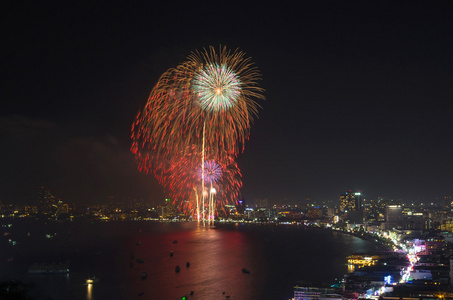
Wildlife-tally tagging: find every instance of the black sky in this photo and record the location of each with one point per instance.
(358, 95)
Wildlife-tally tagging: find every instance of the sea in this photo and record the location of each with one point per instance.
(138, 259)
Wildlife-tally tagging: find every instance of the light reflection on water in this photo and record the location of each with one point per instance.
(275, 256)
(216, 260)
(89, 291)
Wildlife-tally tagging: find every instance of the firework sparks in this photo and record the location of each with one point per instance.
(217, 86)
(212, 172)
(183, 181)
(203, 108)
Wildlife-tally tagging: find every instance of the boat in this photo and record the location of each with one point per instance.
(171, 253)
(177, 269)
(61, 268)
(187, 264)
(91, 280)
(139, 260)
(244, 270)
(144, 275)
(175, 241)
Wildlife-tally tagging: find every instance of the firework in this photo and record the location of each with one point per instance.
(217, 87)
(183, 181)
(216, 91)
(196, 120)
(212, 172)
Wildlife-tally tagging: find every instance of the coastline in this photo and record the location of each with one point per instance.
(381, 245)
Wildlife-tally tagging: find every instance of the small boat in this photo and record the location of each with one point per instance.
(171, 253)
(175, 242)
(91, 280)
(139, 260)
(244, 270)
(61, 268)
(139, 243)
(144, 275)
(177, 269)
(191, 293)
(187, 264)
(132, 256)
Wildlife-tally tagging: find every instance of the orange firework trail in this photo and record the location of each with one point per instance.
(204, 105)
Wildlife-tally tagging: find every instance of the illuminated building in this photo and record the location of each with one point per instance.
(362, 260)
(447, 225)
(47, 203)
(314, 213)
(434, 245)
(351, 205)
(447, 200)
(169, 210)
(393, 216)
(350, 201)
(315, 293)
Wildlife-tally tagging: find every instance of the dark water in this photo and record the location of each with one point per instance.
(277, 256)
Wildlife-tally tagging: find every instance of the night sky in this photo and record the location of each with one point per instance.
(358, 95)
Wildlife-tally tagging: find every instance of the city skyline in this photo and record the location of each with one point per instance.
(357, 96)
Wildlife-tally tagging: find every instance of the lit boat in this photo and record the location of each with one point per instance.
(92, 280)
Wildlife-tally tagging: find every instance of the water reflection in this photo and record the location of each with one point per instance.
(219, 257)
(276, 256)
(89, 291)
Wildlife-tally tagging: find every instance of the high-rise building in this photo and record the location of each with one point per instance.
(47, 203)
(393, 216)
(350, 201)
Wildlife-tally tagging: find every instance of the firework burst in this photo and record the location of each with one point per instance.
(198, 116)
(212, 172)
(216, 91)
(217, 87)
(183, 181)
